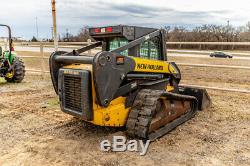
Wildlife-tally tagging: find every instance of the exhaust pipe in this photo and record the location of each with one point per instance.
(74, 59)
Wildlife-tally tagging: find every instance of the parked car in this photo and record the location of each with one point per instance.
(220, 55)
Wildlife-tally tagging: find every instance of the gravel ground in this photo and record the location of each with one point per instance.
(33, 130)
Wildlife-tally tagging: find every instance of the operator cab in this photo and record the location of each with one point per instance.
(114, 37)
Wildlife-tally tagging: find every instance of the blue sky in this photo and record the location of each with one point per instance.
(74, 14)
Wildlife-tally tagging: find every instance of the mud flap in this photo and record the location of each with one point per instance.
(204, 100)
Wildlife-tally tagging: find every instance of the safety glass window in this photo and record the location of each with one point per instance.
(118, 42)
(150, 49)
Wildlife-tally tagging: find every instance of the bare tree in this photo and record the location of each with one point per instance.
(82, 36)
(206, 33)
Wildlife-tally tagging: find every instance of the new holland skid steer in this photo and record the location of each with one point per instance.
(128, 84)
(11, 67)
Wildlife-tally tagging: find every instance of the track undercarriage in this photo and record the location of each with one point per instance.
(156, 112)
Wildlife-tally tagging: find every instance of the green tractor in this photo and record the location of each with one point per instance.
(11, 67)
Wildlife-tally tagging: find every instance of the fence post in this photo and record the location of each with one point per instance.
(42, 59)
(5, 45)
(180, 46)
(222, 47)
(89, 42)
(233, 47)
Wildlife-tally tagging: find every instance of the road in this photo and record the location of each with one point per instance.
(243, 53)
(45, 49)
(177, 53)
(202, 56)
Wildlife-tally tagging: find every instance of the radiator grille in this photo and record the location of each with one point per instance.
(73, 91)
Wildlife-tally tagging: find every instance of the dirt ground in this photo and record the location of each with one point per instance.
(33, 130)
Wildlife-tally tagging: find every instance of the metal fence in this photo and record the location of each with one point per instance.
(74, 45)
(233, 44)
(43, 70)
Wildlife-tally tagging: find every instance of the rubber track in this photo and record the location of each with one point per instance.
(142, 112)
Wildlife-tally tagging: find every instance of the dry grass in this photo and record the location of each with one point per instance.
(33, 130)
(29, 53)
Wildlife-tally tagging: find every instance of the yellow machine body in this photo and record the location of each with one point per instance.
(116, 114)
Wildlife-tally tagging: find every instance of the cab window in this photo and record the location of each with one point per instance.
(150, 49)
(147, 50)
(118, 42)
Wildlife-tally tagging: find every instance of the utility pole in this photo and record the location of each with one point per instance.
(54, 24)
(228, 26)
(67, 34)
(52, 34)
(248, 26)
(37, 30)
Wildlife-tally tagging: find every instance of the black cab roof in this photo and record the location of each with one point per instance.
(129, 32)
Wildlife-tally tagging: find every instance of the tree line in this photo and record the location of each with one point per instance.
(209, 33)
(203, 33)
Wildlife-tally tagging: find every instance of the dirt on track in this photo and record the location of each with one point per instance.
(33, 130)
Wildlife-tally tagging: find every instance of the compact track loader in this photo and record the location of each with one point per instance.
(128, 84)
